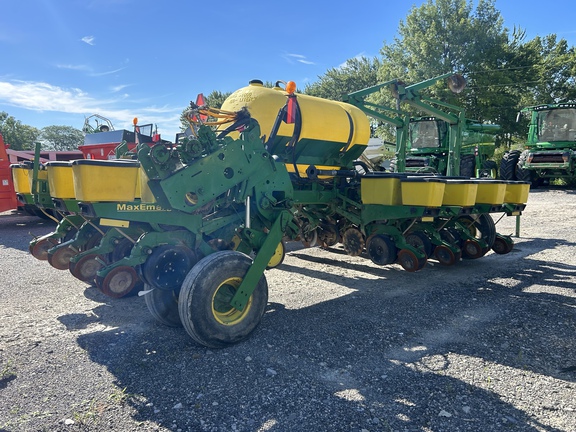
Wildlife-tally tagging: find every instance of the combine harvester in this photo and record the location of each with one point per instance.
(550, 150)
(199, 221)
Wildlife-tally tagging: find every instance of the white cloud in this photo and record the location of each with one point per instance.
(297, 57)
(88, 39)
(40, 96)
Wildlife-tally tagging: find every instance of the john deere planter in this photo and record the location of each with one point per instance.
(210, 213)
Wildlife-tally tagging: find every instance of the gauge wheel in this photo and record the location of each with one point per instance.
(381, 249)
(204, 301)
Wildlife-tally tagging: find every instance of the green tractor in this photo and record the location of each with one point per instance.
(445, 143)
(550, 150)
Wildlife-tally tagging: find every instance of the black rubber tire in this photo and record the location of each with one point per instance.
(484, 227)
(502, 246)
(523, 174)
(467, 163)
(491, 165)
(381, 249)
(508, 165)
(420, 240)
(207, 318)
(163, 306)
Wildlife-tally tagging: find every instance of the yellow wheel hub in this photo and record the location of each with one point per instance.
(222, 310)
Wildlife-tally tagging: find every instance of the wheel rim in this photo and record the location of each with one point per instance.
(444, 255)
(408, 260)
(86, 268)
(40, 249)
(167, 266)
(222, 310)
(61, 258)
(353, 241)
(381, 250)
(119, 282)
(472, 249)
(278, 256)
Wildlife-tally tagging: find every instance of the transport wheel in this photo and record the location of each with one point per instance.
(420, 241)
(444, 255)
(472, 249)
(381, 249)
(167, 266)
(163, 305)
(278, 256)
(40, 249)
(85, 268)
(204, 301)
(409, 261)
(119, 282)
(353, 241)
(60, 259)
(503, 245)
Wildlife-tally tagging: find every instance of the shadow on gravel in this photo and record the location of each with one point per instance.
(26, 227)
(437, 349)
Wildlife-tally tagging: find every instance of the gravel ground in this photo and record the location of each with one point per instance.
(486, 345)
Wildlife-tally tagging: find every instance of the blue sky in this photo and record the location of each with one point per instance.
(62, 60)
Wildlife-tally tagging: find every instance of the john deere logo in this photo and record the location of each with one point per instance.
(123, 207)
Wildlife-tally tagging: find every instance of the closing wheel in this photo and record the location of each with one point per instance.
(85, 268)
(503, 245)
(420, 240)
(472, 249)
(163, 305)
(119, 282)
(168, 265)
(204, 301)
(353, 241)
(278, 256)
(40, 249)
(444, 255)
(409, 261)
(381, 249)
(60, 259)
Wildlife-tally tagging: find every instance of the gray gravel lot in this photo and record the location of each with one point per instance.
(345, 345)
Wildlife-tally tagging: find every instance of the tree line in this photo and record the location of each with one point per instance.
(504, 71)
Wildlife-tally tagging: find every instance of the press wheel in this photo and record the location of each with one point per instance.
(60, 259)
(444, 255)
(381, 249)
(85, 268)
(409, 261)
(40, 249)
(119, 282)
(503, 245)
(472, 249)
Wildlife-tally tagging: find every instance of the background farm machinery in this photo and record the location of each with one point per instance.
(550, 150)
(194, 224)
(444, 142)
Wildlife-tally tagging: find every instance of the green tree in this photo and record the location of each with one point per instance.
(354, 75)
(18, 135)
(61, 138)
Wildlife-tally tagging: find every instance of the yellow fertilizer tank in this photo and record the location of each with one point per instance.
(105, 180)
(331, 134)
(60, 179)
(21, 178)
